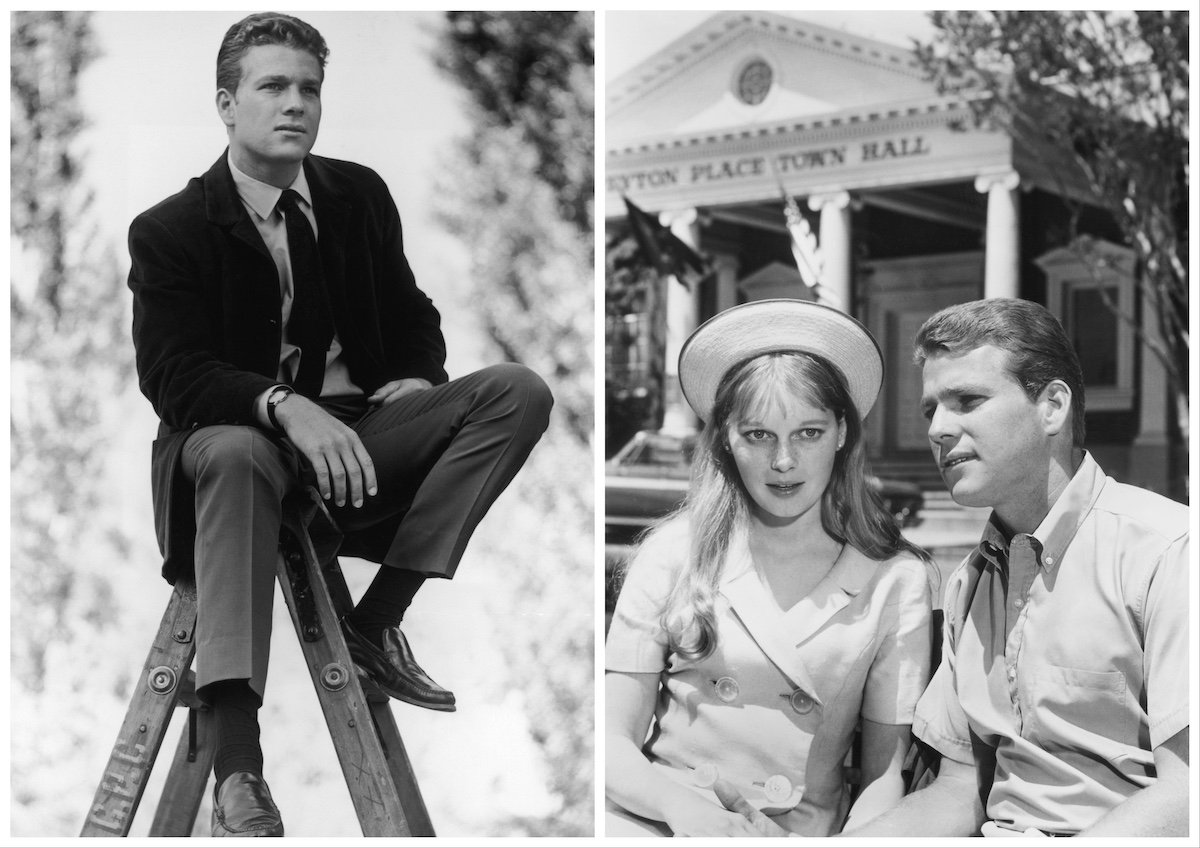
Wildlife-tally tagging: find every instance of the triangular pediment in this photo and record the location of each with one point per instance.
(759, 69)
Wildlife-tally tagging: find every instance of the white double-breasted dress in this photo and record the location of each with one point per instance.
(773, 709)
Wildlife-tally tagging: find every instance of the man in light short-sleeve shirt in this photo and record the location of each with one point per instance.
(1061, 703)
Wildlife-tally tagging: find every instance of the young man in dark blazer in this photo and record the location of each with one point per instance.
(282, 340)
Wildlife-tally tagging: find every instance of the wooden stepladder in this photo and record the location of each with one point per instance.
(378, 774)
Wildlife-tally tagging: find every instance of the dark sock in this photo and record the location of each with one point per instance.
(234, 707)
(386, 600)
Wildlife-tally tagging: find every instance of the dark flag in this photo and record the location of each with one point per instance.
(669, 254)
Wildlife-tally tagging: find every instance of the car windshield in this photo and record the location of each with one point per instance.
(659, 455)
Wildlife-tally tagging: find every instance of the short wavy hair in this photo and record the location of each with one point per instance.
(1038, 348)
(265, 28)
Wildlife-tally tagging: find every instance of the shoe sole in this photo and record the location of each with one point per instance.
(371, 686)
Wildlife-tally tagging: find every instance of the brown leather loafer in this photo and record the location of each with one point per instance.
(242, 806)
(394, 670)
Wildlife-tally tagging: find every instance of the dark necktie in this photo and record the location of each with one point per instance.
(310, 326)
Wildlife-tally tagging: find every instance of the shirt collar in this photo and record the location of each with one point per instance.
(1061, 523)
(1063, 520)
(262, 197)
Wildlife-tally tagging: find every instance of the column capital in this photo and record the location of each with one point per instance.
(835, 199)
(1007, 180)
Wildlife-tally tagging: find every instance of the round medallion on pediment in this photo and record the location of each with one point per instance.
(754, 82)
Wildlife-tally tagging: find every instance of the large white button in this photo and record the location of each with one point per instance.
(727, 689)
(705, 775)
(801, 701)
(777, 789)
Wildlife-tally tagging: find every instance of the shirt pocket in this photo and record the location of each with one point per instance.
(1065, 706)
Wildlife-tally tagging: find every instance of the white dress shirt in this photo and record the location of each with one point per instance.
(260, 200)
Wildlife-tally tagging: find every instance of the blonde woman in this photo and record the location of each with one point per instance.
(779, 608)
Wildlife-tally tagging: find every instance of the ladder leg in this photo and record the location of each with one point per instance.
(385, 721)
(398, 763)
(188, 777)
(141, 735)
(369, 776)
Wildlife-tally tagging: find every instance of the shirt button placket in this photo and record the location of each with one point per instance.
(1022, 572)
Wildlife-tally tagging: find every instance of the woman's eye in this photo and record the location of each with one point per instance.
(811, 433)
(755, 435)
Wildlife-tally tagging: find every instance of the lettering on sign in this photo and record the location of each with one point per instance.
(658, 178)
(749, 167)
(808, 159)
(726, 169)
(894, 148)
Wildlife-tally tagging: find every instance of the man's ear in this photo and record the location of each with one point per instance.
(1057, 405)
(226, 103)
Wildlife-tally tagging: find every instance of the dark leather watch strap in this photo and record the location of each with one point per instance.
(273, 400)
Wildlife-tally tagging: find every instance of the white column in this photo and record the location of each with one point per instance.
(683, 313)
(727, 267)
(835, 247)
(1002, 268)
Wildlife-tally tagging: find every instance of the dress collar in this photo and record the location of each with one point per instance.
(782, 633)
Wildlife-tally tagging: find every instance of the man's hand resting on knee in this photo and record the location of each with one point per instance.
(343, 467)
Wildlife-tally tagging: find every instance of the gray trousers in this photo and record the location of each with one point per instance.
(442, 456)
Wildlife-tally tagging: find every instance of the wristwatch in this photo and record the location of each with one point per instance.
(277, 396)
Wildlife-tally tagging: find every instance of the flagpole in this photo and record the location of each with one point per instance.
(805, 248)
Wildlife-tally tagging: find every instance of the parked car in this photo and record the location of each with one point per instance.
(648, 477)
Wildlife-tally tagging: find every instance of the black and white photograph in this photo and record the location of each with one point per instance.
(586, 427)
(303, 311)
(897, 424)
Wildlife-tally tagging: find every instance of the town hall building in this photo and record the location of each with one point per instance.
(911, 208)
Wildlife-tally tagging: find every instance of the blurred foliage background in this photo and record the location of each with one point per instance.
(517, 638)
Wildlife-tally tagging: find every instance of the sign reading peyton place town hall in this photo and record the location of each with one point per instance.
(759, 165)
(744, 165)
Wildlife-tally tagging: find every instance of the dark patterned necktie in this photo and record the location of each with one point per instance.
(310, 326)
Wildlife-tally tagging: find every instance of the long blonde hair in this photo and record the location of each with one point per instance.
(718, 505)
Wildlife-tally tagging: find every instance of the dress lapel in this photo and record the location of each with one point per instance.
(844, 581)
(780, 634)
(764, 621)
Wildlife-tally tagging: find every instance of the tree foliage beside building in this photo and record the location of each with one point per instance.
(520, 191)
(1107, 92)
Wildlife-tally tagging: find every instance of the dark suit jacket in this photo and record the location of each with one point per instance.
(207, 314)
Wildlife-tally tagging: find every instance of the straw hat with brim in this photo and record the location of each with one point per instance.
(771, 326)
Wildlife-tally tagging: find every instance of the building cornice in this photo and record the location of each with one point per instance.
(840, 124)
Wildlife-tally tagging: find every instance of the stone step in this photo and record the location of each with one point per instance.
(947, 529)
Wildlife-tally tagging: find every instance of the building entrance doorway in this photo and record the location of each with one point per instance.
(899, 294)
